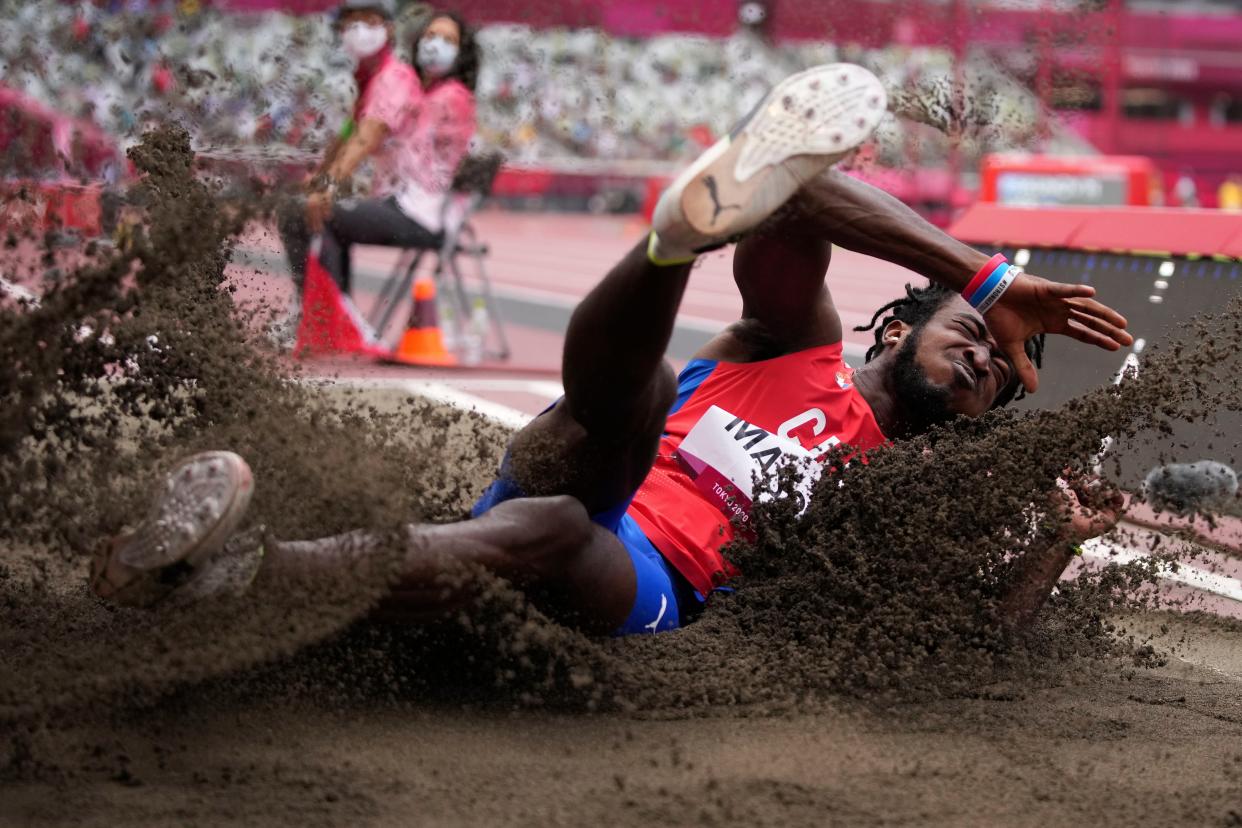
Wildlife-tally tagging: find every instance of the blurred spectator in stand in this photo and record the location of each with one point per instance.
(1186, 190)
(415, 126)
(1229, 196)
(753, 15)
(412, 16)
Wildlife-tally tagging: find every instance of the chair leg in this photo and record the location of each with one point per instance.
(388, 295)
(493, 309)
(403, 289)
(454, 324)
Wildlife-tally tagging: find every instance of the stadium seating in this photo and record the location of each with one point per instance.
(544, 94)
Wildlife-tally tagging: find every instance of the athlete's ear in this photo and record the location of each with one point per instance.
(894, 333)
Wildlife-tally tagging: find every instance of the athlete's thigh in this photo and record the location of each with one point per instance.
(601, 579)
(573, 569)
(555, 454)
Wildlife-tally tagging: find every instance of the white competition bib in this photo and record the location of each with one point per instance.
(726, 457)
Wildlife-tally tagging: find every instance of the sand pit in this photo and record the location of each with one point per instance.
(380, 727)
(858, 676)
(1105, 746)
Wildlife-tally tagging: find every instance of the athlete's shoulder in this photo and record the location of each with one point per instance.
(751, 341)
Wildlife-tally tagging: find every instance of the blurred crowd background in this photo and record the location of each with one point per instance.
(275, 77)
(967, 78)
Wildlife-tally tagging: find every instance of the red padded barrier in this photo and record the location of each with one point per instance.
(1132, 229)
(1233, 247)
(1167, 230)
(995, 224)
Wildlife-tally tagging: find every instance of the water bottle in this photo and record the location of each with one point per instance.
(476, 334)
(450, 326)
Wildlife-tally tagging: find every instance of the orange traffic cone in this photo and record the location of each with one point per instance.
(422, 343)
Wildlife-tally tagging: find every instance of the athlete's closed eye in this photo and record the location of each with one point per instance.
(977, 331)
(1004, 368)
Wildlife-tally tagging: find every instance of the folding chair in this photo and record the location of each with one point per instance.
(471, 186)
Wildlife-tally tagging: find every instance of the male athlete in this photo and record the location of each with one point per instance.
(656, 470)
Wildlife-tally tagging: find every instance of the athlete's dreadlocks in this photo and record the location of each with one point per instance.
(917, 308)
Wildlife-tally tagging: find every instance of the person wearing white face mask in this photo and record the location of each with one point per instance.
(447, 62)
(386, 119)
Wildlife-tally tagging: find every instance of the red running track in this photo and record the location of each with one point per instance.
(553, 260)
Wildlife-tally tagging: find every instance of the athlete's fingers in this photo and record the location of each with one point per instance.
(1088, 523)
(1066, 290)
(1027, 374)
(1102, 326)
(1082, 333)
(1101, 310)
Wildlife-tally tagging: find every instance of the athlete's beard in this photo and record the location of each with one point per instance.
(921, 403)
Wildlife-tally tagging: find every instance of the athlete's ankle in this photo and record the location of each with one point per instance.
(661, 256)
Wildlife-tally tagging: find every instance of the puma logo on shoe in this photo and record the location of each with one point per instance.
(710, 182)
(654, 625)
(745, 177)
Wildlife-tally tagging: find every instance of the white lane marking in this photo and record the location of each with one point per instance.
(1100, 550)
(545, 389)
(654, 625)
(538, 388)
(503, 414)
(443, 393)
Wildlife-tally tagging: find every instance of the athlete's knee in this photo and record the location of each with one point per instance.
(548, 532)
(620, 420)
(562, 519)
(660, 396)
(642, 419)
(666, 386)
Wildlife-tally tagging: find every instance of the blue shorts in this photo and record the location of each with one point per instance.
(658, 602)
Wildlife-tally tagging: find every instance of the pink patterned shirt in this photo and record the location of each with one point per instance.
(389, 92)
(431, 150)
(429, 133)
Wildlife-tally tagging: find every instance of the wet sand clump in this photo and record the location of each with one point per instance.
(169, 368)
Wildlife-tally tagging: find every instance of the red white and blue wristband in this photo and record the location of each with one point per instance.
(990, 283)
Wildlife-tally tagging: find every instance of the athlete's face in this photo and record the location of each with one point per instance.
(952, 362)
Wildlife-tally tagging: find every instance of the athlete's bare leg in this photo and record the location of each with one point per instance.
(602, 436)
(601, 439)
(597, 444)
(570, 567)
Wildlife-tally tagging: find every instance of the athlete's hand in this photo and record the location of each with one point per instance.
(1092, 506)
(1033, 306)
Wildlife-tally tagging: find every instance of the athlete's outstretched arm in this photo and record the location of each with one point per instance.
(842, 210)
(865, 219)
(780, 268)
(1091, 509)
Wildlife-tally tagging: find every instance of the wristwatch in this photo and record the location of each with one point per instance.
(325, 184)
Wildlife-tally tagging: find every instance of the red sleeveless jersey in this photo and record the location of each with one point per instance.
(734, 424)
